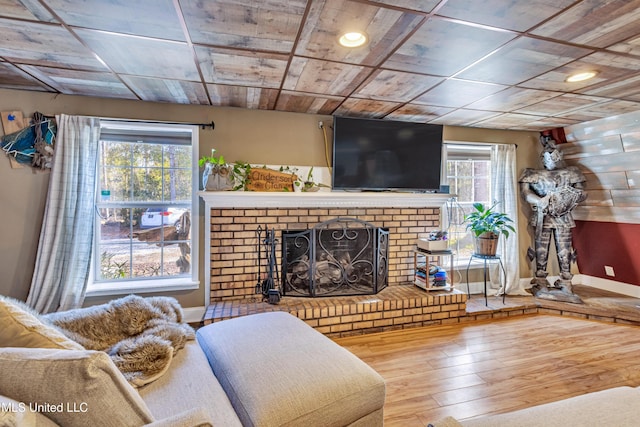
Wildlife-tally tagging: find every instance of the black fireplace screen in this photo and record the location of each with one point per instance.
(342, 256)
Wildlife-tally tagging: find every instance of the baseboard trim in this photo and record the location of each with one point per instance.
(194, 314)
(607, 285)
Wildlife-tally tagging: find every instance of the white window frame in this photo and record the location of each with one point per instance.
(461, 151)
(153, 284)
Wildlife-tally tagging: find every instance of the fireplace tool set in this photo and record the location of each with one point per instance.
(268, 286)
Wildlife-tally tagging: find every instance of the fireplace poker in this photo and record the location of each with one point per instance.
(269, 290)
(259, 247)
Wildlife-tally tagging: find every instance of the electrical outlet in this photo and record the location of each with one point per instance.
(608, 270)
(320, 125)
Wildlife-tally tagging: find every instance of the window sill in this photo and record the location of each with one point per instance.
(141, 287)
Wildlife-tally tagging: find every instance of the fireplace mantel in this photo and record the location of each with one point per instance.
(329, 199)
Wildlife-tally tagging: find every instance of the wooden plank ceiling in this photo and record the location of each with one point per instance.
(491, 63)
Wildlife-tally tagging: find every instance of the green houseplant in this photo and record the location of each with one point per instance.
(217, 174)
(487, 225)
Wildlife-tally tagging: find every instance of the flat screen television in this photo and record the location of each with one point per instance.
(383, 155)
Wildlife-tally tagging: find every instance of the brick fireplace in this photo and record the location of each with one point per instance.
(231, 221)
(232, 218)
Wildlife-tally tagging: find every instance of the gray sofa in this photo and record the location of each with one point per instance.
(613, 407)
(261, 370)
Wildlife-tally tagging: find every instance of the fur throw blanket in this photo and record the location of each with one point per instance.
(141, 335)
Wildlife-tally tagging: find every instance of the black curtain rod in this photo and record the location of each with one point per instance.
(211, 125)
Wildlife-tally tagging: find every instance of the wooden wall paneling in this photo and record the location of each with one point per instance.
(598, 198)
(599, 146)
(628, 215)
(624, 123)
(607, 181)
(631, 141)
(626, 197)
(633, 179)
(619, 162)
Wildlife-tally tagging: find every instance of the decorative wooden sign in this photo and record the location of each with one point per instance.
(261, 179)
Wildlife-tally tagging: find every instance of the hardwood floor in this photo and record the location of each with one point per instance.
(472, 369)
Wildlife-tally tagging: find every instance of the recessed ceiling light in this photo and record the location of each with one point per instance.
(578, 77)
(353, 39)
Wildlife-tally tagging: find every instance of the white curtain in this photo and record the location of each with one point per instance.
(64, 251)
(504, 188)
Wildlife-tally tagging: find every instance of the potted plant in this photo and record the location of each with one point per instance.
(306, 185)
(487, 226)
(217, 174)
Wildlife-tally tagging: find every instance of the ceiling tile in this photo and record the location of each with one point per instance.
(609, 67)
(368, 108)
(316, 76)
(418, 5)
(598, 23)
(513, 99)
(44, 44)
(493, 63)
(514, 15)
(627, 88)
(388, 85)
(601, 110)
(142, 56)
(243, 68)
(165, 90)
(265, 25)
(521, 60)
(561, 105)
(458, 93)
(511, 121)
(244, 97)
(417, 113)
(151, 18)
(545, 123)
(306, 103)
(329, 19)
(631, 46)
(12, 77)
(31, 10)
(464, 117)
(435, 48)
(615, 107)
(94, 83)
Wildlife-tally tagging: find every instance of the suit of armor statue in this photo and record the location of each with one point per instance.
(552, 193)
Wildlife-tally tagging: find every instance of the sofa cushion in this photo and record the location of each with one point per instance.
(189, 383)
(74, 388)
(612, 407)
(14, 413)
(279, 371)
(20, 327)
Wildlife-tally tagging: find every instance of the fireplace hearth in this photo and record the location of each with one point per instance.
(339, 257)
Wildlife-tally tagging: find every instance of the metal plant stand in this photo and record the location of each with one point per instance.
(486, 258)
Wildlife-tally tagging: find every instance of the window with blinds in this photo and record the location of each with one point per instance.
(145, 234)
